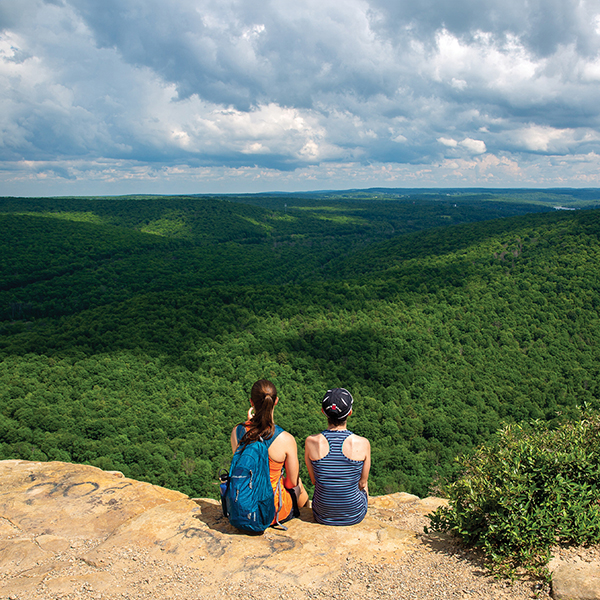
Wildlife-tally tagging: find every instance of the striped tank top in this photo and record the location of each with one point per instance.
(337, 499)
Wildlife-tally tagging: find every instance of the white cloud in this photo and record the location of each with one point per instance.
(119, 176)
(399, 139)
(448, 142)
(591, 70)
(482, 61)
(539, 139)
(160, 87)
(470, 145)
(473, 146)
(551, 140)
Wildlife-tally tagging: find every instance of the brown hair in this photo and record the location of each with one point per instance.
(263, 396)
(336, 422)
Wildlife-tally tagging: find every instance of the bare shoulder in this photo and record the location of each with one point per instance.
(356, 447)
(361, 441)
(285, 440)
(313, 439)
(283, 446)
(316, 446)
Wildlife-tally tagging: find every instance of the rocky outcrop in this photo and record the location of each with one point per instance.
(55, 515)
(575, 580)
(74, 531)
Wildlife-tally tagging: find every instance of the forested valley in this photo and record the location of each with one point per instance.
(132, 328)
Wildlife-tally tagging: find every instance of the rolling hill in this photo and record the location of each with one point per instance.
(133, 328)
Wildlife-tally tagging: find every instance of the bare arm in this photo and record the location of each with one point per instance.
(307, 453)
(234, 442)
(292, 466)
(363, 481)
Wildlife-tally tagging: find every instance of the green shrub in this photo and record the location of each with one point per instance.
(530, 489)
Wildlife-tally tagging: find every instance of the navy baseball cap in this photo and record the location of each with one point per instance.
(337, 403)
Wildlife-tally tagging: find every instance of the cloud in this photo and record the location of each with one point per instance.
(470, 145)
(473, 146)
(448, 142)
(125, 177)
(235, 54)
(549, 140)
(542, 25)
(154, 85)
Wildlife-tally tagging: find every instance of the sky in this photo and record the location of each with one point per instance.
(231, 96)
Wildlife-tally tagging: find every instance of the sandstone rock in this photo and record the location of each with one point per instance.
(400, 499)
(19, 588)
(73, 531)
(19, 554)
(52, 543)
(576, 581)
(99, 582)
(189, 531)
(103, 519)
(428, 505)
(72, 501)
(45, 568)
(392, 500)
(7, 528)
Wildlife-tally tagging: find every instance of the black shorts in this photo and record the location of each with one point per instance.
(295, 512)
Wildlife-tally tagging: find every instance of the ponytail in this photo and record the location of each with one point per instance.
(262, 425)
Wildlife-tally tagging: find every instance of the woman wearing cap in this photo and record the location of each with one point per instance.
(283, 452)
(338, 462)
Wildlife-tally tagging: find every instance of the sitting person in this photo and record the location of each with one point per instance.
(283, 453)
(338, 463)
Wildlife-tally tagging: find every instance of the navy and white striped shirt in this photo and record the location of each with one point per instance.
(337, 499)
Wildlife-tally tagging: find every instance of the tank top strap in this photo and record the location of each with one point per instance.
(336, 440)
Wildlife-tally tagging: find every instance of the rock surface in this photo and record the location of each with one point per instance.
(74, 531)
(576, 575)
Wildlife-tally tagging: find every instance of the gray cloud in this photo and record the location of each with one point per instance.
(237, 55)
(297, 87)
(542, 25)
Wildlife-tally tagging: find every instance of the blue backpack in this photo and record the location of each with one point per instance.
(246, 493)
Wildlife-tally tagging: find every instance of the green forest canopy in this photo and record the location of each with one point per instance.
(133, 328)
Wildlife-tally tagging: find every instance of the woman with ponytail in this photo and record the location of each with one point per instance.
(283, 452)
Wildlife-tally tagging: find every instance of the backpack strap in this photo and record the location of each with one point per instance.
(268, 442)
(240, 432)
(278, 430)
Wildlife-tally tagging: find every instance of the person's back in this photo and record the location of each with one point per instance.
(338, 462)
(288, 491)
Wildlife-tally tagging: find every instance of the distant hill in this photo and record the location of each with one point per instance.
(132, 328)
(62, 255)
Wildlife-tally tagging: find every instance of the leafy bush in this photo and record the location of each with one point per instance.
(531, 488)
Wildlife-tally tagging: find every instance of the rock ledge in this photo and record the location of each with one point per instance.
(75, 531)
